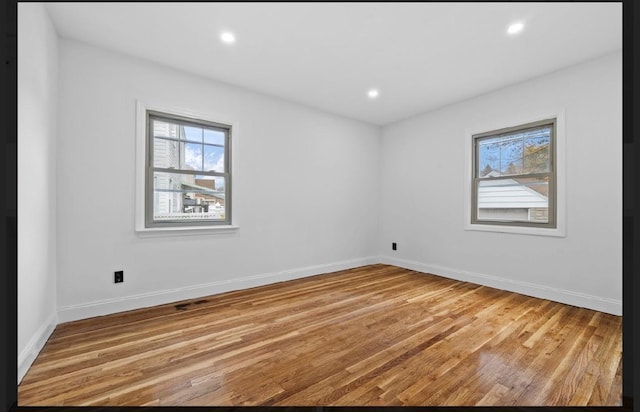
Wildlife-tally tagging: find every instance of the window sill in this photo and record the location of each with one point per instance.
(536, 231)
(185, 231)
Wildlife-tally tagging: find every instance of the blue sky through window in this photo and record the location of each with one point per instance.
(207, 156)
(517, 153)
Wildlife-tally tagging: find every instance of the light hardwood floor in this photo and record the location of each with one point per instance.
(376, 335)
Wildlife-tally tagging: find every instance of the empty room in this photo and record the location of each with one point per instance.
(319, 204)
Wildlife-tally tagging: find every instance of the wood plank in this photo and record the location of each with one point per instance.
(377, 335)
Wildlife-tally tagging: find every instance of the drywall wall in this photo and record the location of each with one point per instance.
(37, 84)
(305, 191)
(423, 176)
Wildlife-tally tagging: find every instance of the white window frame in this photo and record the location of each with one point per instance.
(140, 175)
(560, 169)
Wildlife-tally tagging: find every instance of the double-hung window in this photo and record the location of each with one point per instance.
(187, 174)
(514, 177)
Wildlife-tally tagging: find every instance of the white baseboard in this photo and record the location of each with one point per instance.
(35, 345)
(569, 297)
(109, 306)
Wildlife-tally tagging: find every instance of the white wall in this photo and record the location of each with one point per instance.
(422, 176)
(306, 190)
(37, 83)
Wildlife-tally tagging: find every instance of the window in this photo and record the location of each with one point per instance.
(514, 177)
(187, 171)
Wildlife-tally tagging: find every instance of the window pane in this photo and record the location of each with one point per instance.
(214, 158)
(166, 153)
(214, 136)
(192, 156)
(509, 200)
(511, 156)
(537, 151)
(192, 133)
(164, 129)
(188, 197)
(488, 158)
(520, 152)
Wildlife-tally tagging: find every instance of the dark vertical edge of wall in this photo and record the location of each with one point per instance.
(8, 234)
(9, 367)
(630, 228)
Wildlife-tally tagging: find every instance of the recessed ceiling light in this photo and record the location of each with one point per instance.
(373, 93)
(228, 37)
(515, 28)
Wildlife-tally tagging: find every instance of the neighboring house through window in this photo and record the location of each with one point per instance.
(514, 179)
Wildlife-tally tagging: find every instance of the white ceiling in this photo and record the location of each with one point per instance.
(420, 56)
